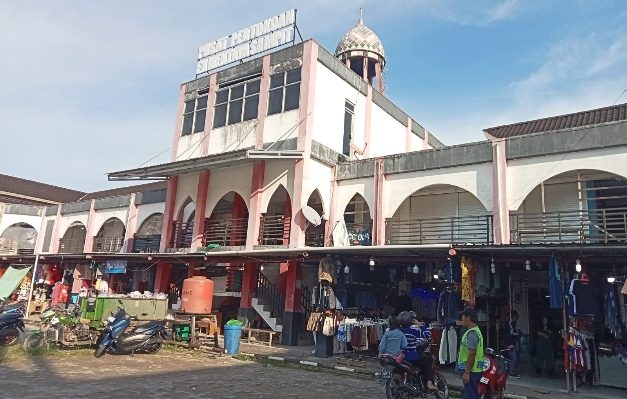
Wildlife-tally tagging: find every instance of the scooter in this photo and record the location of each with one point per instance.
(144, 338)
(11, 324)
(494, 377)
(18, 307)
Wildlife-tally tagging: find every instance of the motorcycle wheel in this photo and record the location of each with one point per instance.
(394, 388)
(153, 348)
(9, 336)
(34, 341)
(440, 382)
(100, 351)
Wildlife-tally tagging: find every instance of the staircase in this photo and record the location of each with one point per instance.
(269, 303)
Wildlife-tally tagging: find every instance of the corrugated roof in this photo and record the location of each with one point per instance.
(20, 190)
(138, 188)
(614, 113)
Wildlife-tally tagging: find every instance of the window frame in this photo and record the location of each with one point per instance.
(245, 98)
(349, 109)
(283, 90)
(204, 93)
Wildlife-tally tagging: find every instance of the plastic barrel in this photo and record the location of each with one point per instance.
(232, 335)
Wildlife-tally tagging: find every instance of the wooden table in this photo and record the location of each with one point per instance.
(185, 318)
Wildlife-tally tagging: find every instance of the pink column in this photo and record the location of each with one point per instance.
(425, 141)
(201, 203)
(379, 219)
(292, 286)
(254, 213)
(239, 210)
(249, 284)
(168, 215)
(499, 201)
(377, 68)
(39, 241)
(328, 230)
(162, 276)
(211, 102)
(131, 226)
(54, 242)
(179, 121)
(301, 168)
(89, 229)
(368, 123)
(263, 102)
(408, 134)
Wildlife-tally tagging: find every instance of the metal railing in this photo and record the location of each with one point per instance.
(108, 244)
(593, 226)
(182, 234)
(314, 236)
(12, 247)
(305, 300)
(147, 243)
(229, 232)
(456, 230)
(275, 230)
(270, 295)
(71, 246)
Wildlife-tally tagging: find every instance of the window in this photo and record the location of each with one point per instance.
(349, 112)
(194, 114)
(237, 103)
(284, 91)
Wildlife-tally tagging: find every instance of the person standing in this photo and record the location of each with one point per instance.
(471, 354)
(512, 336)
(545, 355)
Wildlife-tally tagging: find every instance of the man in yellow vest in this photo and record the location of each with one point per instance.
(470, 354)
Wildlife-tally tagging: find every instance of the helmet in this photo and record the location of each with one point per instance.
(406, 318)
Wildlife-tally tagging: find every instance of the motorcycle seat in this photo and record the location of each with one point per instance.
(147, 326)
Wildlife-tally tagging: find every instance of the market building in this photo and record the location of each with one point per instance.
(296, 184)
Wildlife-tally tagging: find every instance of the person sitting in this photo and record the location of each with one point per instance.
(393, 341)
(416, 342)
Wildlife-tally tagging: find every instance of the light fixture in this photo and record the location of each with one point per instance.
(492, 266)
(436, 276)
(372, 267)
(371, 264)
(415, 270)
(347, 269)
(261, 268)
(611, 280)
(578, 266)
(527, 265)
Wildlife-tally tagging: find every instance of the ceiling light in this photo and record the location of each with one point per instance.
(415, 270)
(578, 266)
(492, 266)
(611, 280)
(347, 269)
(527, 265)
(371, 261)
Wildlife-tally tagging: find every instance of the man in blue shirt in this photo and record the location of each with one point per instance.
(416, 344)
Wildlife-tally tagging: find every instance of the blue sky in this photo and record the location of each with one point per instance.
(91, 87)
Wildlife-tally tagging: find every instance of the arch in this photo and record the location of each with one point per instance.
(215, 199)
(112, 227)
(448, 201)
(314, 235)
(152, 225)
(228, 223)
(358, 219)
(20, 237)
(280, 202)
(187, 211)
(73, 240)
(315, 201)
(277, 219)
(110, 237)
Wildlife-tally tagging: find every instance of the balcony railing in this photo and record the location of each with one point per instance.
(71, 246)
(456, 230)
(12, 247)
(595, 226)
(146, 243)
(108, 244)
(229, 232)
(274, 230)
(182, 234)
(359, 234)
(314, 236)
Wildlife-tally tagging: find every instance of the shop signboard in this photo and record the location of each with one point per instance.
(115, 266)
(250, 41)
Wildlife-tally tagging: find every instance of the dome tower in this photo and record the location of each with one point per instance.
(362, 51)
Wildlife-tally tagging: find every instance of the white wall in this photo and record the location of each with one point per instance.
(523, 175)
(9, 219)
(347, 189)
(417, 143)
(319, 177)
(144, 211)
(280, 126)
(387, 135)
(232, 137)
(100, 217)
(223, 181)
(476, 179)
(189, 146)
(187, 187)
(330, 94)
(277, 173)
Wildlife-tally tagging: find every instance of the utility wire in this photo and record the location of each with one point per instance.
(621, 94)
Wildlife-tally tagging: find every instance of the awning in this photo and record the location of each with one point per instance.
(11, 280)
(216, 161)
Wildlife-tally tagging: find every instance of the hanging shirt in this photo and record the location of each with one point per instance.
(556, 291)
(449, 307)
(584, 302)
(469, 275)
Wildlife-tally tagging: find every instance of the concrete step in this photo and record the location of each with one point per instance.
(273, 322)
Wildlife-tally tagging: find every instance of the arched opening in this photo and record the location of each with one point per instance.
(148, 236)
(440, 214)
(183, 231)
(314, 235)
(110, 237)
(275, 223)
(358, 221)
(228, 223)
(73, 240)
(580, 206)
(19, 238)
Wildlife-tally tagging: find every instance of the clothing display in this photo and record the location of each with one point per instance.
(581, 355)
(448, 346)
(449, 306)
(326, 270)
(469, 280)
(556, 290)
(583, 297)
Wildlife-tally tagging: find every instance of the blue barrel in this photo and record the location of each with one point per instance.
(232, 335)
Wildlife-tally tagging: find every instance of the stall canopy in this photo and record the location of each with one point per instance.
(11, 280)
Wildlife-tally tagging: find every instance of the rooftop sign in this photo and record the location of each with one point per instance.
(256, 39)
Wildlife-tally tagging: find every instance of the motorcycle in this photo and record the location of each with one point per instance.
(494, 377)
(403, 380)
(62, 328)
(11, 324)
(147, 337)
(18, 307)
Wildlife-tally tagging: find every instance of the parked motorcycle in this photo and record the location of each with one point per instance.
(18, 307)
(147, 337)
(60, 327)
(494, 377)
(11, 324)
(405, 382)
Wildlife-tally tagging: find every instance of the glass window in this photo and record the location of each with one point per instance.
(292, 76)
(199, 122)
(235, 111)
(222, 96)
(276, 80)
(250, 108)
(284, 91)
(348, 127)
(237, 92)
(275, 101)
(188, 122)
(253, 87)
(189, 106)
(201, 102)
(219, 115)
(238, 103)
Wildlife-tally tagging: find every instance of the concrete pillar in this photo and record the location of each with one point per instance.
(249, 286)
(254, 213)
(408, 134)
(89, 229)
(262, 111)
(201, 204)
(56, 232)
(179, 121)
(211, 102)
(131, 226)
(500, 205)
(168, 214)
(162, 276)
(379, 218)
(294, 315)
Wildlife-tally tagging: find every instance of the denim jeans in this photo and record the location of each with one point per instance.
(471, 389)
(513, 356)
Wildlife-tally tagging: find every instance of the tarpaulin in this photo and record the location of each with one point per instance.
(11, 280)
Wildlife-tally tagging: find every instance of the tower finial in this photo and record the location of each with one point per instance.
(361, 16)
